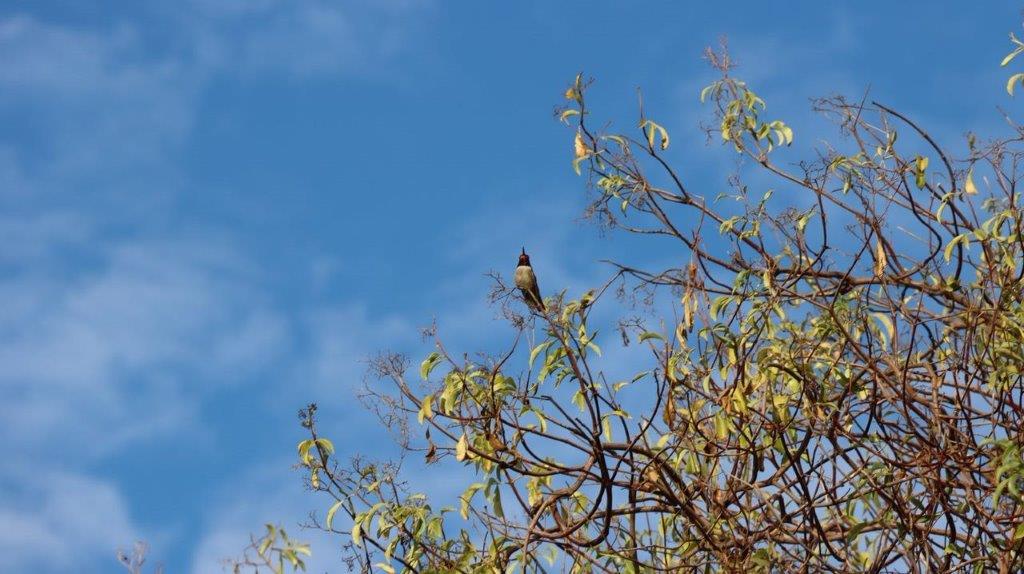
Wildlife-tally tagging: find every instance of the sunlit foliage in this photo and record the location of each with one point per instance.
(837, 385)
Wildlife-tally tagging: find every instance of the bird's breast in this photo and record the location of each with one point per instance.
(524, 277)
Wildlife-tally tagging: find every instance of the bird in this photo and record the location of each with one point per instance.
(526, 281)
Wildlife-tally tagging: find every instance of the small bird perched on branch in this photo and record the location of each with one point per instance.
(526, 281)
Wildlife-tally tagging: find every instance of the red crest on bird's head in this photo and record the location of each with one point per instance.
(524, 259)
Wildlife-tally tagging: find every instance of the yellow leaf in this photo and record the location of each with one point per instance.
(325, 445)
(969, 187)
(1012, 82)
(564, 116)
(687, 314)
(721, 425)
(538, 350)
(575, 92)
(669, 414)
(880, 258)
(428, 364)
(330, 513)
(304, 447)
(1016, 52)
(653, 130)
(576, 164)
(920, 172)
(947, 253)
(357, 533)
(580, 146)
(461, 447)
(426, 409)
(886, 323)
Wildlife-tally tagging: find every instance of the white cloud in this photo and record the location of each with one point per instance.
(309, 38)
(60, 522)
(263, 494)
(129, 348)
(114, 329)
(37, 237)
(343, 338)
(109, 107)
(104, 106)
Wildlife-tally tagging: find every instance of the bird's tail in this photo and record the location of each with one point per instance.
(538, 302)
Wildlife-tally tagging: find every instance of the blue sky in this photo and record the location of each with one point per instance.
(214, 210)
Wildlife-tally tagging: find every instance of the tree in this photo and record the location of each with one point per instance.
(270, 553)
(839, 387)
(134, 562)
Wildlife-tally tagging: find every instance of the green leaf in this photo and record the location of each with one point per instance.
(652, 130)
(579, 400)
(540, 419)
(804, 219)
(492, 492)
(721, 425)
(718, 305)
(780, 401)
(1009, 57)
(787, 135)
(538, 350)
(947, 253)
(428, 364)
(651, 335)
(728, 224)
(663, 440)
(331, 512)
(855, 531)
(886, 323)
(325, 445)
(707, 90)
(267, 541)
(467, 497)
(920, 171)
(551, 555)
(304, 447)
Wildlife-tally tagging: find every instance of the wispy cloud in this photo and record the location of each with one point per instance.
(270, 493)
(99, 106)
(118, 325)
(302, 38)
(55, 521)
(82, 358)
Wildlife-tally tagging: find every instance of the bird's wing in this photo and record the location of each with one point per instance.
(535, 292)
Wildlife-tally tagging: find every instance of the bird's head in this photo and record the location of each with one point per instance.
(524, 259)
